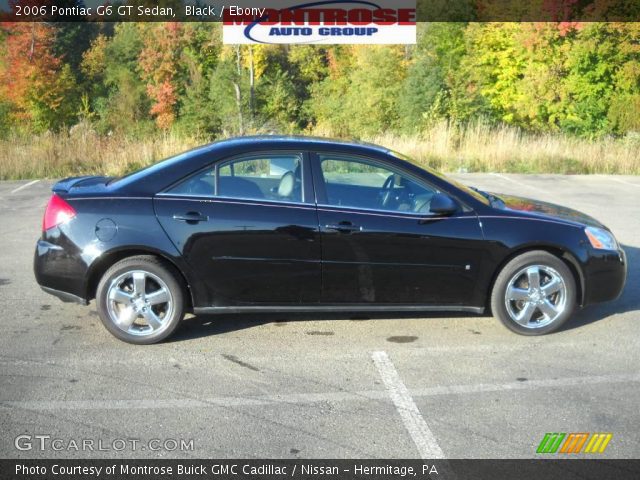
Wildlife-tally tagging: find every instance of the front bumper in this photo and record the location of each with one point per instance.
(605, 275)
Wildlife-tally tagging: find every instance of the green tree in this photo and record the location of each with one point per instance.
(227, 92)
(603, 74)
(434, 87)
(359, 96)
(375, 85)
(118, 94)
(200, 57)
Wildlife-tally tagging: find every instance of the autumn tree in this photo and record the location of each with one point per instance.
(35, 81)
(159, 65)
(140, 78)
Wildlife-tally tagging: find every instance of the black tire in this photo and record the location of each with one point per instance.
(156, 269)
(511, 269)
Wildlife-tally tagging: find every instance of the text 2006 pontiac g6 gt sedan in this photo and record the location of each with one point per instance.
(297, 224)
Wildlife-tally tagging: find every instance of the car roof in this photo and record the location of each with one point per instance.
(306, 141)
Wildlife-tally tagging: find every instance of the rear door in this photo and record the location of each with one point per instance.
(248, 227)
(380, 243)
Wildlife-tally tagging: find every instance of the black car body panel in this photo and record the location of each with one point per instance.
(271, 257)
(69, 257)
(400, 258)
(239, 253)
(546, 210)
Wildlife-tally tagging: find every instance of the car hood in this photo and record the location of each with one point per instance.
(538, 208)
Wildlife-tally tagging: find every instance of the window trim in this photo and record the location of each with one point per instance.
(396, 214)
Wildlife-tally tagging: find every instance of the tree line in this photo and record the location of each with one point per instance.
(136, 79)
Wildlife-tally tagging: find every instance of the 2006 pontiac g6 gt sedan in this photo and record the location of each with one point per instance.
(286, 224)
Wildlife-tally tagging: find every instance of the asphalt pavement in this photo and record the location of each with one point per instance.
(317, 386)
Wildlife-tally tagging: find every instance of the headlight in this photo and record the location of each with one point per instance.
(601, 239)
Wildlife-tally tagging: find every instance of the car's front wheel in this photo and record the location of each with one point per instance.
(140, 300)
(534, 294)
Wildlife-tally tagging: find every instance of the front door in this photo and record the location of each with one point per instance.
(380, 243)
(249, 230)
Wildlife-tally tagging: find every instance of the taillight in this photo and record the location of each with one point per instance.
(58, 211)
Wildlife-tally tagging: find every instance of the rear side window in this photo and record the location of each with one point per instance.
(269, 177)
(202, 184)
(266, 177)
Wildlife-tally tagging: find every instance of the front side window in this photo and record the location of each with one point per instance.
(474, 193)
(269, 177)
(359, 183)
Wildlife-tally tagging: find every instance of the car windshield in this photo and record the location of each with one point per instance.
(469, 190)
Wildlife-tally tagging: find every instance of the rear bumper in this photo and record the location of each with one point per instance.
(65, 296)
(60, 269)
(605, 275)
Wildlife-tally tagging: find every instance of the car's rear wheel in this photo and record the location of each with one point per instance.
(534, 294)
(140, 300)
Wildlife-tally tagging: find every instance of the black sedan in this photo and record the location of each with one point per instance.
(303, 224)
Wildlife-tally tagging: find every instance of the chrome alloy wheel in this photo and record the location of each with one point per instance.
(139, 303)
(536, 296)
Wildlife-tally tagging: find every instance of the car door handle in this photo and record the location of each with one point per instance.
(344, 227)
(191, 217)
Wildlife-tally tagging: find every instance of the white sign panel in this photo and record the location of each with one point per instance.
(322, 22)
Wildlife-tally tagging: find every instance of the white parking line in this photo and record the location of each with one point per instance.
(624, 182)
(411, 417)
(316, 397)
(527, 385)
(522, 184)
(22, 187)
(222, 401)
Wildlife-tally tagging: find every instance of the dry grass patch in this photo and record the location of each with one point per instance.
(63, 155)
(481, 148)
(476, 148)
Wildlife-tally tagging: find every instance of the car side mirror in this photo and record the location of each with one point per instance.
(443, 204)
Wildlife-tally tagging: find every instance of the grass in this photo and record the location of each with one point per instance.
(481, 148)
(63, 155)
(476, 148)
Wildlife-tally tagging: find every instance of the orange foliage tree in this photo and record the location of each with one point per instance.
(159, 63)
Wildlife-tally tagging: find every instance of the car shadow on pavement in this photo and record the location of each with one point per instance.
(629, 301)
(206, 325)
